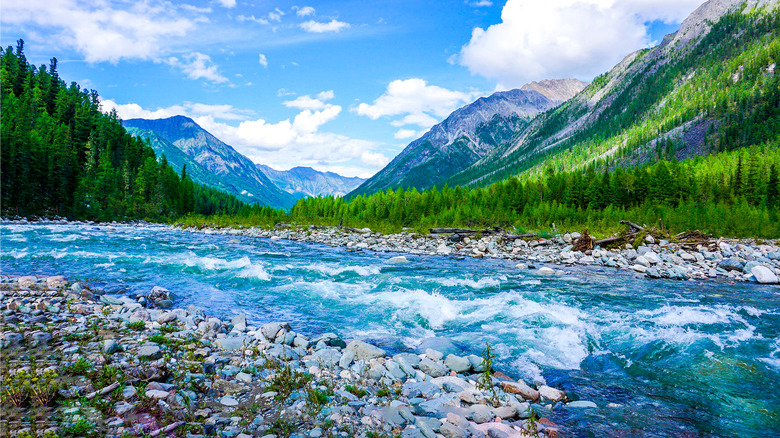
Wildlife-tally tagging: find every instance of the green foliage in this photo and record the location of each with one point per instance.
(80, 367)
(485, 381)
(356, 391)
(286, 380)
(137, 325)
(282, 427)
(80, 428)
(317, 397)
(62, 156)
(701, 193)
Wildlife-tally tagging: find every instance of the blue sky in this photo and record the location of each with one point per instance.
(335, 85)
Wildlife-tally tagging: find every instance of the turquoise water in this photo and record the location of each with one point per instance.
(676, 359)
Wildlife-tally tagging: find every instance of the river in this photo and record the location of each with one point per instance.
(659, 358)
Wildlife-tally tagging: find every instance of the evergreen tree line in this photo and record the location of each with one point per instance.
(734, 193)
(62, 156)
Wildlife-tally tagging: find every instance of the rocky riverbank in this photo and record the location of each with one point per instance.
(729, 259)
(80, 363)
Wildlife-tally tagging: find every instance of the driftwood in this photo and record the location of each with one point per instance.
(632, 225)
(583, 243)
(103, 391)
(487, 232)
(519, 236)
(608, 240)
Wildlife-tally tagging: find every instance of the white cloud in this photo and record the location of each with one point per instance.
(192, 109)
(419, 103)
(197, 65)
(308, 103)
(228, 3)
(564, 38)
(101, 32)
(482, 3)
(275, 15)
(281, 145)
(305, 11)
(263, 61)
(319, 27)
(403, 134)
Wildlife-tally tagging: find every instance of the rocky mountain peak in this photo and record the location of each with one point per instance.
(559, 90)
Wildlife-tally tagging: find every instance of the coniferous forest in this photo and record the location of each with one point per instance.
(61, 156)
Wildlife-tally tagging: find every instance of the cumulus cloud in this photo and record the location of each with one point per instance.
(197, 65)
(305, 11)
(282, 145)
(320, 27)
(564, 38)
(101, 32)
(403, 134)
(308, 103)
(191, 109)
(228, 3)
(273, 16)
(263, 61)
(417, 102)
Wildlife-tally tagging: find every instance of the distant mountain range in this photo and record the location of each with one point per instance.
(304, 181)
(469, 134)
(216, 164)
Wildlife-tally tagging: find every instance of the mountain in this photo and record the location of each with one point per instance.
(220, 166)
(469, 134)
(302, 182)
(709, 87)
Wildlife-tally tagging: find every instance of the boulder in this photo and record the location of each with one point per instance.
(552, 394)
(764, 275)
(431, 368)
(239, 322)
(365, 351)
(328, 357)
(520, 388)
(458, 364)
(272, 329)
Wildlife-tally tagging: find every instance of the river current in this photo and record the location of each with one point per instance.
(659, 358)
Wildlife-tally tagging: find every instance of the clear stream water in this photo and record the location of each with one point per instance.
(680, 359)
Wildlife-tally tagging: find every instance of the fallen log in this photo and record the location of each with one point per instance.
(451, 231)
(608, 240)
(519, 236)
(632, 225)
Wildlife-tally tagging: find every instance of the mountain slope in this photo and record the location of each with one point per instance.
(178, 159)
(231, 169)
(302, 182)
(467, 135)
(710, 86)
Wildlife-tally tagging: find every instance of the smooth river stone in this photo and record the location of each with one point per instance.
(364, 351)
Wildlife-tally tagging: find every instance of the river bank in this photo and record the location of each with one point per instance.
(729, 259)
(81, 363)
(743, 260)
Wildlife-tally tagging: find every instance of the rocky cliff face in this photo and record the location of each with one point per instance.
(227, 165)
(469, 134)
(302, 182)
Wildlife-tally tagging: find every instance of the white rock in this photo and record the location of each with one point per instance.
(639, 268)
(546, 271)
(652, 258)
(443, 249)
(764, 275)
(642, 260)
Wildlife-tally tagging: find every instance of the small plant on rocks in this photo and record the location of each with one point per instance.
(485, 381)
(80, 367)
(286, 380)
(357, 392)
(137, 325)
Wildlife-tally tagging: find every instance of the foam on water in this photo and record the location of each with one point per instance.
(334, 269)
(612, 330)
(482, 283)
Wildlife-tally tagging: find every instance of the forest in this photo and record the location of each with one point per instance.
(733, 193)
(61, 156)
